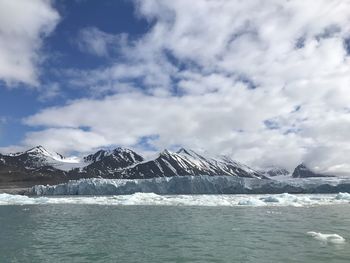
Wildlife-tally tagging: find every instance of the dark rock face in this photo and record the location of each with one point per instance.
(20, 177)
(302, 171)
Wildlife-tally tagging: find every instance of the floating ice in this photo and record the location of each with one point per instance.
(8, 199)
(343, 196)
(251, 202)
(288, 199)
(327, 238)
(153, 199)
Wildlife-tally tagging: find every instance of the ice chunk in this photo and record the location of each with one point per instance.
(251, 202)
(327, 238)
(343, 196)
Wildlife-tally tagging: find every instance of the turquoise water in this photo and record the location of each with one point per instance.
(103, 233)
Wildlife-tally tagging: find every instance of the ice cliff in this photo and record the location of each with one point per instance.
(195, 185)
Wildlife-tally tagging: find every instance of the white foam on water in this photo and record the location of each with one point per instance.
(327, 238)
(183, 200)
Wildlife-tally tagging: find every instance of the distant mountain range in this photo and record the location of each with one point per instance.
(39, 165)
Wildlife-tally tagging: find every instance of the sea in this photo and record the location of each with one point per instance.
(180, 228)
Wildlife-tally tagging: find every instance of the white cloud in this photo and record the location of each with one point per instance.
(23, 25)
(64, 140)
(209, 74)
(211, 122)
(96, 42)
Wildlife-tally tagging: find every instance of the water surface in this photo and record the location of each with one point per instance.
(71, 232)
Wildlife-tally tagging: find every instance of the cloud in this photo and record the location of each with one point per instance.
(223, 122)
(265, 82)
(50, 92)
(23, 25)
(65, 139)
(96, 42)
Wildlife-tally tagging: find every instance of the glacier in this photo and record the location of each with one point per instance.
(187, 185)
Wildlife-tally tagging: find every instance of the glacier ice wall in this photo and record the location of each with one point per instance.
(195, 185)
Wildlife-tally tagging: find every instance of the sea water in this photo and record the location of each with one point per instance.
(153, 228)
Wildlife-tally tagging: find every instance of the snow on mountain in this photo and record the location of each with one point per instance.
(111, 162)
(219, 165)
(123, 163)
(187, 162)
(275, 171)
(39, 157)
(96, 156)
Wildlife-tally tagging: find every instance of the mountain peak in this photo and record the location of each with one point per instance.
(42, 151)
(303, 171)
(122, 150)
(183, 150)
(38, 148)
(96, 156)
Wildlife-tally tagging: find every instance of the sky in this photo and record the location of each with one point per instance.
(263, 81)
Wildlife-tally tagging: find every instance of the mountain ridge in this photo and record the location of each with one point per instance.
(38, 165)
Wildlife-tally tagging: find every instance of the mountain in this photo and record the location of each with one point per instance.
(39, 165)
(39, 157)
(110, 162)
(187, 162)
(302, 171)
(275, 171)
(35, 165)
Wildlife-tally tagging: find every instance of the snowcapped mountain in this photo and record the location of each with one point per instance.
(39, 157)
(41, 165)
(110, 162)
(302, 171)
(187, 162)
